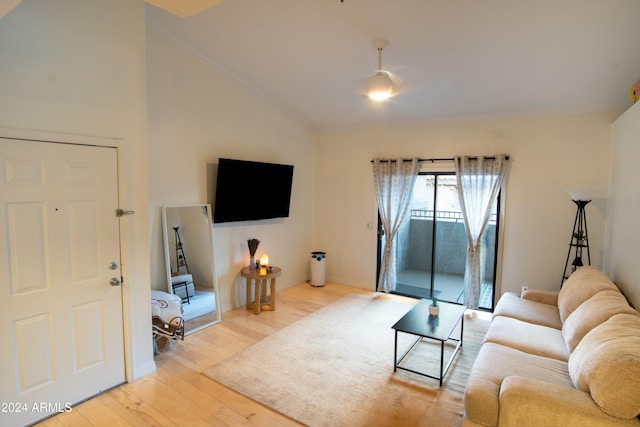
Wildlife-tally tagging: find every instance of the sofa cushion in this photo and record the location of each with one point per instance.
(584, 283)
(496, 362)
(528, 337)
(591, 313)
(511, 305)
(606, 363)
(526, 402)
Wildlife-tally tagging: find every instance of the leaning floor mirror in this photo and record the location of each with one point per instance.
(190, 264)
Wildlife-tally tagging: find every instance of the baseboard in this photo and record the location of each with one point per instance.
(142, 370)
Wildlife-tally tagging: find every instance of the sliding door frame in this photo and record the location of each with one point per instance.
(497, 245)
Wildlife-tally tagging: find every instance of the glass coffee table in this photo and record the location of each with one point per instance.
(418, 322)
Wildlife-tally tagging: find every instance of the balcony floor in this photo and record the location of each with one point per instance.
(449, 287)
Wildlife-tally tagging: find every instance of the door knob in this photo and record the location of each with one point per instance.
(113, 265)
(114, 281)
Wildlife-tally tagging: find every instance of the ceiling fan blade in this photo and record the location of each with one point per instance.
(393, 76)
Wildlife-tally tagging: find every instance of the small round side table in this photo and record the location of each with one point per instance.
(263, 279)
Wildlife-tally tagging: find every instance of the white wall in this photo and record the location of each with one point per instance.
(623, 251)
(74, 70)
(196, 115)
(549, 155)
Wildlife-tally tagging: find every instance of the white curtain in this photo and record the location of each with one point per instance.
(394, 181)
(479, 181)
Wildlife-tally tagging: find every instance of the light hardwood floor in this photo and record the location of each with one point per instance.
(177, 394)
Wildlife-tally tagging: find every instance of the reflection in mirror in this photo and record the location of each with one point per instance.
(191, 274)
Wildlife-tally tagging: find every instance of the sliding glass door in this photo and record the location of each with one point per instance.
(431, 244)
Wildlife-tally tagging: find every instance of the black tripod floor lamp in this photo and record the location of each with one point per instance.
(580, 235)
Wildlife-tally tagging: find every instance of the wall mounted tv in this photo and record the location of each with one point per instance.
(251, 191)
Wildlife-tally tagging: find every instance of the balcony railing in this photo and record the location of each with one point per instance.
(453, 216)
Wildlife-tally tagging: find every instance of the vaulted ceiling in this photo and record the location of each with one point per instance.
(454, 58)
(184, 8)
(460, 57)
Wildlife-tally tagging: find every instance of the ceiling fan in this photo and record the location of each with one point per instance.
(384, 83)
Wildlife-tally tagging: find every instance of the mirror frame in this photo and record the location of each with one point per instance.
(165, 231)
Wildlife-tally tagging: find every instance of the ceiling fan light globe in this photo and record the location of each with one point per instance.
(379, 96)
(380, 87)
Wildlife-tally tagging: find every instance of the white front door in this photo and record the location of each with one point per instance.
(60, 316)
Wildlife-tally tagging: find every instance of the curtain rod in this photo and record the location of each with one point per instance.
(442, 159)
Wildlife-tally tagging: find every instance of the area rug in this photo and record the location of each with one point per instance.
(334, 367)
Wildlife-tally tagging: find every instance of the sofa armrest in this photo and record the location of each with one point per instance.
(527, 402)
(481, 403)
(545, 297)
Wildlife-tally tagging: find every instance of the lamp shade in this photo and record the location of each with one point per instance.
(380, 87)
(582, 195)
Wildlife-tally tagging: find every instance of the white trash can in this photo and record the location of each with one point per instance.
(318, 268)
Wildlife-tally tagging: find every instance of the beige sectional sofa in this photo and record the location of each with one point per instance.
(568, 358)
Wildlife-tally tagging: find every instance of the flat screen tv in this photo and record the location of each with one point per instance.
(251, 191)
